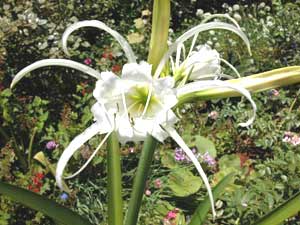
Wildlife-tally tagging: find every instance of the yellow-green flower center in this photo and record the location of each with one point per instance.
(137, 99)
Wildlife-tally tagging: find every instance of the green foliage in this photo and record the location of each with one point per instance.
(183, 183)
(56, 103)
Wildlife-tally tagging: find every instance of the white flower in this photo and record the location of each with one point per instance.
(237, 16)
(199, 12)
(124, 100)
(236, 7)
(137, 104)
(203, 63)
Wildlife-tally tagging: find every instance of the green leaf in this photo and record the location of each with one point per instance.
(201, 212)
(42, 204)
(202, 144)
(183, 183)
(284, 211)
(168, 160)
(205, 145)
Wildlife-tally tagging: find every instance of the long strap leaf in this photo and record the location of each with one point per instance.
(50, 208)
(284, 211)
(200, 214)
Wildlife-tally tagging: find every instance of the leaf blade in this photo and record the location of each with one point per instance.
(282, 212)
(42, 204)
(201, 212)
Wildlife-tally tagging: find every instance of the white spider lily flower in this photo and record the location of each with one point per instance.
(204, 63)
(137, 104)
(124, 99)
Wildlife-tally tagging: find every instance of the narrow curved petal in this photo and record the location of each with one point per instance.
(201, 85)
(98, 24)
(54, 62)
(173, 133)
(197, 29)
(90, 158)
(231, 67)
(221, 16)
(75, 144)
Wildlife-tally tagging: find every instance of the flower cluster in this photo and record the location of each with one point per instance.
(36, 182)
(180, 155)
(291, 138)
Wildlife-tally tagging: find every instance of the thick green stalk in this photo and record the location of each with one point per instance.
(115, 202)
(140, 180)
(158, 47)
(254, 83)
(160, 31)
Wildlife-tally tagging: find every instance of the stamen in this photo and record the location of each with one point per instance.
(148, 100)
(193, 43)
(178, 54)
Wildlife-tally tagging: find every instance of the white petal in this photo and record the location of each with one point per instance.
(195, 161)
(55, 62)
(75, 144)
(205, 61)
(137, 72)
(98, 24)
(231, 67)
(197, 29)
(90, 158)
(163, 83)
(102, 117)
(202, 85)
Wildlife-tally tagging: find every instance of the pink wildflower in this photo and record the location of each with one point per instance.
(208, 159)
(171, 215)
(88, 61)
(51, 145)
(148, 192)
(157, 183)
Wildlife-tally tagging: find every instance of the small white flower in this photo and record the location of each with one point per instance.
(236, 7)
(199, 12)
(237, 17)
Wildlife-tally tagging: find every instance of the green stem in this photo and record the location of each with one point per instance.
(115, 202)
(19, 153)
(158, 47)
(140, 180)
(30, 146)
(3, 133)
(160, 31)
